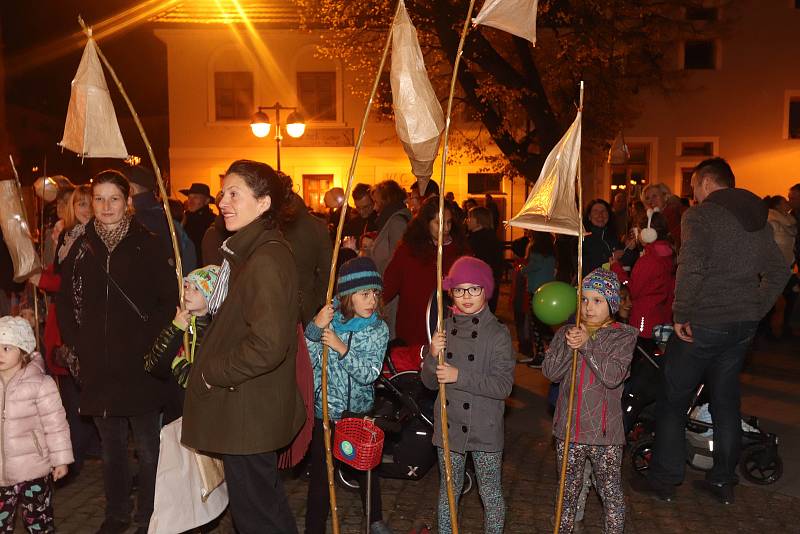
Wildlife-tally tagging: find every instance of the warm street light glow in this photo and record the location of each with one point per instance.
(260, 125)
(295, 126)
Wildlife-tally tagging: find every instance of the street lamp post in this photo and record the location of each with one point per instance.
(260, 125)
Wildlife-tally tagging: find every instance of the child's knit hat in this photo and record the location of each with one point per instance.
(205, 279)
(356, 275)
(17, 332)
(606, 283)
(469, 270)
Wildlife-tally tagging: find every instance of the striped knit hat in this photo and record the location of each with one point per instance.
(606, 283)
(356, 275)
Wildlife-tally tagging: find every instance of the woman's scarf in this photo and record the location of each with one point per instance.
(221, 289)
(70, 236)
(111, 238)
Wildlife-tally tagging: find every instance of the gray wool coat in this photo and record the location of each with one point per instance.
(480, 347)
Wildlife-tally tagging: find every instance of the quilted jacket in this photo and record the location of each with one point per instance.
(34, 435)
(603, 365)
(167, 352)
(350, 375)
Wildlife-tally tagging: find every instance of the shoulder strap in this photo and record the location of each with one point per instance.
(114, 283)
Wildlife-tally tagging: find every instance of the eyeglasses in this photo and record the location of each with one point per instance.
(473, 291)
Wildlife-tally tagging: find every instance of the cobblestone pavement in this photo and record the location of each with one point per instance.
(529, 481)
(529, 474)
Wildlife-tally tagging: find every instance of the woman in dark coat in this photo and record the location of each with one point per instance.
(601, 239)
(242, 401)
(117, 290)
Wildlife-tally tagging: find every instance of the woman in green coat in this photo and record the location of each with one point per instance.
(242, 401)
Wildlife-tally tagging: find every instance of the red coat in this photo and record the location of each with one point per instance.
(51, 283)
(413, 281)
(652, 287)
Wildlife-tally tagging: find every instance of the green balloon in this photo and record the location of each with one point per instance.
(555, 302)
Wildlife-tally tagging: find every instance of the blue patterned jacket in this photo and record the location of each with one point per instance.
(350, 376)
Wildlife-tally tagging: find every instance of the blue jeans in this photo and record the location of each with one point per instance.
(715, 358)
(116, 473)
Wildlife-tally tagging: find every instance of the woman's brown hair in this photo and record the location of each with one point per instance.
(418, 237)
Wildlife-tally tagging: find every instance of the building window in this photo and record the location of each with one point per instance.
(699, 55)
(794, 119)
(480, 183)
(686, 182)
(634, 173)
(314, 188)
(697, 148)
(317, 94)
(233, 95)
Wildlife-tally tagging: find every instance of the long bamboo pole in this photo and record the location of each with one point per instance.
(573, 372)
(156, 169)
(448, 468)
(332, 276)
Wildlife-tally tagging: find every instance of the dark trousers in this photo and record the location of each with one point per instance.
(34, 497)
(82, 432)
(116, 471)
(318, 503)
(715, 358)
(258, 501)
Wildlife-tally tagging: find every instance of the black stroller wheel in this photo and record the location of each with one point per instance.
(760, 464)
(642, 454)
(345, 480)
(468, 482)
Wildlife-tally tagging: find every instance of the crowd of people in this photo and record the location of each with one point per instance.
(129, 356)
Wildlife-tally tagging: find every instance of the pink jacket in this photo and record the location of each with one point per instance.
(652, 287)
(34, 435)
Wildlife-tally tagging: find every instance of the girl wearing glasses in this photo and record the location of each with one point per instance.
(479, 371)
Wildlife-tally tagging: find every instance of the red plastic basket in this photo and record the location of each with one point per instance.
(358, 443)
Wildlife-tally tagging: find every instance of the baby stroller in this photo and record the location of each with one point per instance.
(759, 462)
(404, 411)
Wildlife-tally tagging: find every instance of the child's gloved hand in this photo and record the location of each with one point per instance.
(577, 337)
(446, 374)
(182, 318)
(438, 343)
(59, 472)
(330, 338)
(324, 317)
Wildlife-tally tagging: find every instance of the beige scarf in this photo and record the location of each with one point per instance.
(111, 238)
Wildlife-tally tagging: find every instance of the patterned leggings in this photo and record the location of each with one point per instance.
(607, 467)
(488, 469)
(34, 497)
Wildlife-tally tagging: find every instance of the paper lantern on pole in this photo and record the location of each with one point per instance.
(16, 232)
(551, 205)
(91, 129)
(418, 114)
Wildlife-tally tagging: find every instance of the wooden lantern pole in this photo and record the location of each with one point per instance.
(156, 170)
(448, 468)
(574, 371)
(332, 277)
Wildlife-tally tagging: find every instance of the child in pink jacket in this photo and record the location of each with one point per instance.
(34, 436)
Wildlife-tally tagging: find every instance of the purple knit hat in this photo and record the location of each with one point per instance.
(469, 270)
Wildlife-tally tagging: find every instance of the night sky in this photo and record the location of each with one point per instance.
(38, 88)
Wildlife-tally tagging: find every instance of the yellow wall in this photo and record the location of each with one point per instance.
(741, 105)
(201, 148)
